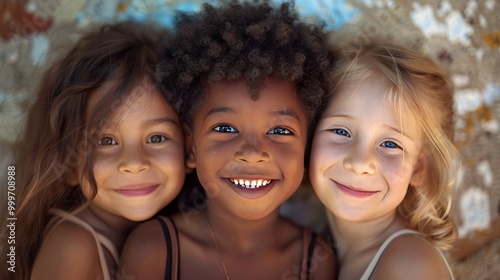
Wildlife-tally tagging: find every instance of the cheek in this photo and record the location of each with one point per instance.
(396, 166)
(209, 159)
(396, 172)
(292, 154)
(86, 189)
(291, 159)
(324, 155)
(171, 158)
(102, 169)
(212, 150)
(103, 165)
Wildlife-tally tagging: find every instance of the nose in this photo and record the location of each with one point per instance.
(252, 151)
(360, 160)
(133, 160)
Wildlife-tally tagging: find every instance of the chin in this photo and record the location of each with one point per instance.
(256, 214)
(140, 216)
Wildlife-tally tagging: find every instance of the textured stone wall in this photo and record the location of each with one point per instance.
(463, 36)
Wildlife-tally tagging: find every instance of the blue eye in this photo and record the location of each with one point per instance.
(280, 130)
(341, 132)
(224, 128)
(155, 139)
(107, 141)
(391, 145)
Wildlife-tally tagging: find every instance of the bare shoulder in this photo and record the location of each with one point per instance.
(69, 250)
(411, 256)
(147, 236)
(324, 261)
(144, 253)
(192, 228)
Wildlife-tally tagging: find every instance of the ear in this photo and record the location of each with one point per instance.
(190, 149)
(418, 176)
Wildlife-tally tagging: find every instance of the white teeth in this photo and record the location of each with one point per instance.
(250, 184)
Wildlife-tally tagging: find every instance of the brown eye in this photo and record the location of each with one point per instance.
(155, 139)
(280, 131)
(107, 141)
(224, 128)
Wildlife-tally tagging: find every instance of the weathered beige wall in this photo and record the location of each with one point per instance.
(463, 36)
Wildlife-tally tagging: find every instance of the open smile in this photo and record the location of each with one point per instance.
(250, 184)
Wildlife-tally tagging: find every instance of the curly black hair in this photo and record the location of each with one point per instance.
(249, 40)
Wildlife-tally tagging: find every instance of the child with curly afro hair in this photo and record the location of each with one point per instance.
(251, 78)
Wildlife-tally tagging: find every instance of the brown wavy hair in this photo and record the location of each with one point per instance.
(421, 91)
(59, 136)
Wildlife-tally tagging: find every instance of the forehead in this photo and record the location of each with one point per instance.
(117, 98)
(117, 103)
(97, 95)
(276, 95)
(361, 93)
(375, 96)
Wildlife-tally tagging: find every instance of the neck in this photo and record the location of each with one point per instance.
(241, 235)
(113, 227)
(354, 237)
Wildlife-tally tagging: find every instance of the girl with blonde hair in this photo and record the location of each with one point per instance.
(384, 164)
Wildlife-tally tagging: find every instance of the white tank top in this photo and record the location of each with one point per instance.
(371, 267)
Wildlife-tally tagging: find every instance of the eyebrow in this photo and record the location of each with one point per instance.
(396, 129)
(160, 121)
(337, 116)
(288, 113)
(219, 110)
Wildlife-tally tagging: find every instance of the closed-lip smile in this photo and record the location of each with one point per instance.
(137, 189)
(351, 191)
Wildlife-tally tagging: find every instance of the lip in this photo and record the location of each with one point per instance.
(354, 192)
(251, 193)
(137, 189)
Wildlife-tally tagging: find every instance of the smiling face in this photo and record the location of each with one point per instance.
(363, 157)
(139, 161)
(249, 154)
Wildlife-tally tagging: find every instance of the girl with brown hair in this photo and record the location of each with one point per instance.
(103, 150)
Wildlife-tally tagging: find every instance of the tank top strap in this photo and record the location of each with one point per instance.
(371, 267)
(447, 264)
(100, 239)
(308, 243)
(172, 247)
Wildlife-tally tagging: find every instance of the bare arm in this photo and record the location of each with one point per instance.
(411, 257)
(68, 252)
(144, 254)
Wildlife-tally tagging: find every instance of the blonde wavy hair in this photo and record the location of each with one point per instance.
(421, 92)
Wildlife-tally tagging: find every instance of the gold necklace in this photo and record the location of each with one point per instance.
(217, 247)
